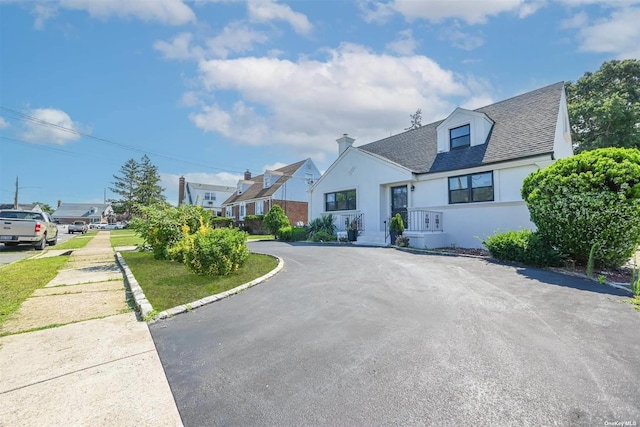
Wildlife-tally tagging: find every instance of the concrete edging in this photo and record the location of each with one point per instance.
(145, 306)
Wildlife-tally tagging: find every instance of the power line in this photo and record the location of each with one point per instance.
(28, 118)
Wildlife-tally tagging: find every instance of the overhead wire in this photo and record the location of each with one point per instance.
(16, 114)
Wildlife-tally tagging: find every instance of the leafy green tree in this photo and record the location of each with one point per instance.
(275, 219)
(45, 207)
(604, 107)
(592, 198)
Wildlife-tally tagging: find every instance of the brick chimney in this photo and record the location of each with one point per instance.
(247, 175)
(181, 183)
(344, 143)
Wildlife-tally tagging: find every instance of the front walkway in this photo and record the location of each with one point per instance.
(93, 363)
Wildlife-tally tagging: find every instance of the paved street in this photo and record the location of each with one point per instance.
(375, 336)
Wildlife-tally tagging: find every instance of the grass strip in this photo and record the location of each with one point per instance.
(77, 242)
(260, 236)
(126, 240)
(167, 284)
(20, 279)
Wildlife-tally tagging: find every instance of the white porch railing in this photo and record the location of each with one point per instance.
(345, 221)
(424, 220)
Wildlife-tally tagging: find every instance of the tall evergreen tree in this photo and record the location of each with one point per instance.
(604, 107)
(126, 185)
(149, 191)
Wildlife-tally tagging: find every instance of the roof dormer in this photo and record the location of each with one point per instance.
(463, 128)
(243, 185)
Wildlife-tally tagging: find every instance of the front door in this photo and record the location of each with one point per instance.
(399, 202)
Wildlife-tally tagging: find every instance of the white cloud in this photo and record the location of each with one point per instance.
(235, 38)
(462, 40)
(470, 11)
(170, 12)
(52, 131)
(3, 123)
(404, 45)
(619, 34)
(305, 105)
(270, 10)
(274, 166)
(43, 12)
(578, 20)
(179, 48)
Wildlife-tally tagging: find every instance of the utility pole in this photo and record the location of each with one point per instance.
(15, 199)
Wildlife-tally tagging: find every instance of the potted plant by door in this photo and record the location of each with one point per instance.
(396, 228)
(352, 231)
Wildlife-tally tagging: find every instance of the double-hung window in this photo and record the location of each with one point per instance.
(460, 137)
(471, 188)
(340, 201)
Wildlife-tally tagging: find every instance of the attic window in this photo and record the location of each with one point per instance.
(460, 137)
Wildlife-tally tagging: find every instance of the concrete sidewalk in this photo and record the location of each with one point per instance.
(95, 365)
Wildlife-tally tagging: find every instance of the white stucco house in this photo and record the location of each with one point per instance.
(454, 181)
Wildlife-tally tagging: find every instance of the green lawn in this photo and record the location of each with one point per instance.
(125, 238)
(77, 242)
(260, 236)
(167, 284)
(20, 279)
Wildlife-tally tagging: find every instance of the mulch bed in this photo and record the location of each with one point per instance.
(622, 274)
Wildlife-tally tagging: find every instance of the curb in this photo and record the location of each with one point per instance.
(145, 306)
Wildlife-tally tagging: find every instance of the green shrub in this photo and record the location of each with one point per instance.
(299, 234)
(397, 224)
(322, 236)
(254, 217)
(254, 224)
(275, 220)
(221, 221)
(285, 233)
(591, 198)
(215, 252)
(523, 246)
(162, 226)
(322, 224)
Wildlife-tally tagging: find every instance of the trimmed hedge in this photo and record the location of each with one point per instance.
(215, 252)
(524, 246)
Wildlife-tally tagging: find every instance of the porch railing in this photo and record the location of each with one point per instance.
(351, 220)
(424, 220)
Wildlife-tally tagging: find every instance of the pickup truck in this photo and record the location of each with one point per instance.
(27, 227)
(78, 227)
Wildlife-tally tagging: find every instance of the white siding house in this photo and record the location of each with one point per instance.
(455, 181)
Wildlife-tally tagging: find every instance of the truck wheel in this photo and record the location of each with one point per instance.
(41, 244)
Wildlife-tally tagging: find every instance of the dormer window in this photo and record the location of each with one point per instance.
(460, 137)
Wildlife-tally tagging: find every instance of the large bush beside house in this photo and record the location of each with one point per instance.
(275, 220)
(591, 198)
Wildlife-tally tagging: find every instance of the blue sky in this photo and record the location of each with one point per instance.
(210, 88)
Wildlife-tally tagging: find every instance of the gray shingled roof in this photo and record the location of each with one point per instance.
(79, 210)
(524, 126)
(257, 192)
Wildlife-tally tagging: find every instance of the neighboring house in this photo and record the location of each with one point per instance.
(67, 213)
(287, 187)
(22, 206)
(454, 181)
(208, 196)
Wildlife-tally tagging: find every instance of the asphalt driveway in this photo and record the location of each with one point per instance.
(375, 336)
